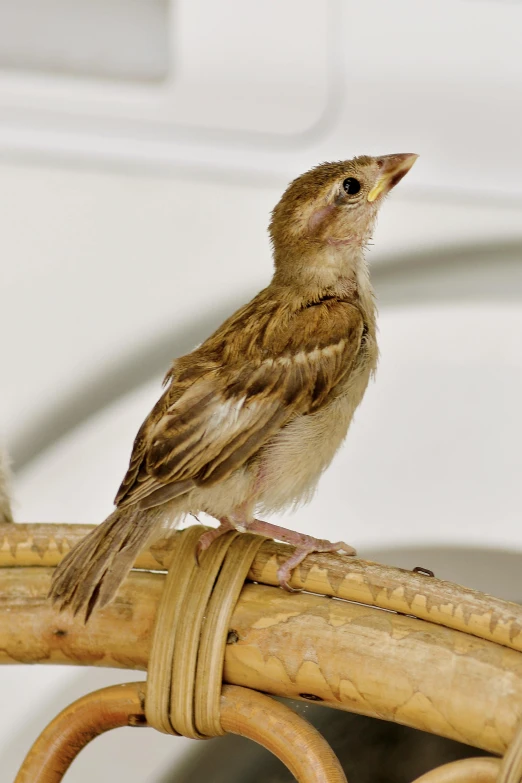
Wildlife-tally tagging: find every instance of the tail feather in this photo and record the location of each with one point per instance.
(91, 573)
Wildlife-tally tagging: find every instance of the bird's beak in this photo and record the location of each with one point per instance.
(394, 167)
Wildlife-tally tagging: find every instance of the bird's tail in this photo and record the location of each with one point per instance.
(6, 514)
(91, 573)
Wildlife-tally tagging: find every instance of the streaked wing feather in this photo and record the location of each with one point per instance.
(202, 433)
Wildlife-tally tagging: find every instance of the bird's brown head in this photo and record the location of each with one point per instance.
(333, 206)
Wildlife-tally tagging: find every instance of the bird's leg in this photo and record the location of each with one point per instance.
(207, 538)
(304, 545)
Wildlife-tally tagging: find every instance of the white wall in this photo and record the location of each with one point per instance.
(133, 217)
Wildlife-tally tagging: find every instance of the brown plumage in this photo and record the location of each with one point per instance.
(251, 418)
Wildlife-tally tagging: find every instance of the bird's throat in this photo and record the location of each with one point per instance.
(336, 270)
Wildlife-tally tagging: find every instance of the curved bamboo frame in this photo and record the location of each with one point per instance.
(479, 770)
(455, 669)
(247, 713)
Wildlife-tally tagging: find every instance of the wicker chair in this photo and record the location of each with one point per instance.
(216, 638)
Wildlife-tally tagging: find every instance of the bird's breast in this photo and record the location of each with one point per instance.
(291, 464)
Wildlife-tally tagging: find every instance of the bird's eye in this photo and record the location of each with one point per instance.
(351, 186)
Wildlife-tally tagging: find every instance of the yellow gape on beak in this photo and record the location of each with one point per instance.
(394, 169)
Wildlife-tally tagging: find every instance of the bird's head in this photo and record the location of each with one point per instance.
(330, 211)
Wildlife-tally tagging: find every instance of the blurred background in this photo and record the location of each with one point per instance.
(143, 144)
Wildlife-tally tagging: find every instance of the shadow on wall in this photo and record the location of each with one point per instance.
(370, 751)
(484, 273)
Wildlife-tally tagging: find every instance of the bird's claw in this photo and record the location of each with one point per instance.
(346, 549)
(203, 543)
(283, 575)
(284, 572)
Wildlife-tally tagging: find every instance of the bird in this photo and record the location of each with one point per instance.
(251, 418)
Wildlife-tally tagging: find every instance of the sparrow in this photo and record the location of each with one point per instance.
(251, 418)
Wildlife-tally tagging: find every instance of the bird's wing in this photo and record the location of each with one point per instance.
(228, 412)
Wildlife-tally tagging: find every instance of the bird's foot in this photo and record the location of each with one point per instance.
(304, 545)
(207, 538)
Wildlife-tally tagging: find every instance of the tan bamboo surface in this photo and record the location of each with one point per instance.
(350, 578)
(475, 770)
(349, 656)
(247, 713)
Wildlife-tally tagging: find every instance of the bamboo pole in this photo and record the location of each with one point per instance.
(350, 578)
(305, 646)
